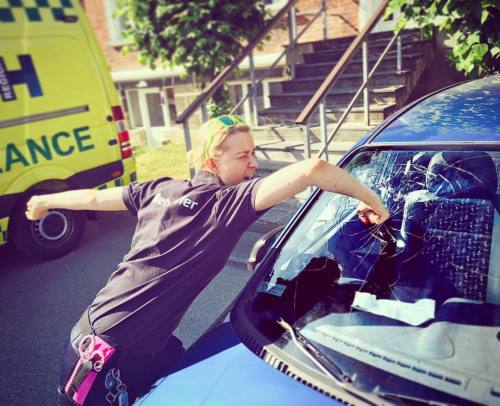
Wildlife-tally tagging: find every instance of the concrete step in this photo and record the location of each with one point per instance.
(277, 133)
(333, 55)
(373, 39)
(286, 115)
(288, 151)
(355, 65)
(267, 167)
(383, 95)
(349, 80)
(375, 45)
(334, 147)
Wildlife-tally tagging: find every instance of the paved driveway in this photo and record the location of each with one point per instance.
(40, 301)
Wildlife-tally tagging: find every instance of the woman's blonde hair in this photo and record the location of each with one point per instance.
(210, 138)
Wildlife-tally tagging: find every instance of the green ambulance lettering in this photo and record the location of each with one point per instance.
(13, 156)
(57, 146)
(60, 143)
(35, 148)
(81, 138)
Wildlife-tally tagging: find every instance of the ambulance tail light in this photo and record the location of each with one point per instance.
(123, 135)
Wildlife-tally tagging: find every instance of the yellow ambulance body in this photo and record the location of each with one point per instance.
(61, 123)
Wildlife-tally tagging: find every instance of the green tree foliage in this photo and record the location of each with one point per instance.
(474, 26)
(202, 36)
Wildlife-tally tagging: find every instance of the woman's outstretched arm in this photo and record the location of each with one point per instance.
(296, 177)
(82, 199)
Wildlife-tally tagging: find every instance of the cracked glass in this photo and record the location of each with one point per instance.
(412, 305)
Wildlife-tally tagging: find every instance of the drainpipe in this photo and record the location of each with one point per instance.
(324, 6)
(253, 94)
(292, 34)
(366, 101)
(322, 120)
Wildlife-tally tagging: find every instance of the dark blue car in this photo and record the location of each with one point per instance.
(403, 313)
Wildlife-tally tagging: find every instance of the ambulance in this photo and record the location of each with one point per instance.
(61, 123)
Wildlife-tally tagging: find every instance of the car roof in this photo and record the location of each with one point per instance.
(467, 112)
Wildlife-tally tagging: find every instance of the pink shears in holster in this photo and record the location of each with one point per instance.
(94, 354)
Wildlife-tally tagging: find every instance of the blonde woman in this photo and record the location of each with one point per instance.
(186, 230)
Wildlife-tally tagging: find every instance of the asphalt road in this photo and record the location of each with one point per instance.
(40, 302)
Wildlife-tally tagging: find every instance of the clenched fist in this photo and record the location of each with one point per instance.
(372, 214)
(34, 209)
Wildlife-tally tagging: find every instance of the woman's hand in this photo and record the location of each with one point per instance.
(374, 213)
(34, 209)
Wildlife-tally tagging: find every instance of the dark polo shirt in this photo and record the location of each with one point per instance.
(185, 233)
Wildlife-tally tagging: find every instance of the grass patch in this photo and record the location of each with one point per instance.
(164, 160)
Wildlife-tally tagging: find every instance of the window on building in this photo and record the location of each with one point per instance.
(116, 24)
(134, 108)
(274, 5)
(182, 100)
(154, 109)
(170, 101)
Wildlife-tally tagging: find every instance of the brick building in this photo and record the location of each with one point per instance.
(154, 98)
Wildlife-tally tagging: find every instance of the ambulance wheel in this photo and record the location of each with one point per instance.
(52, 236)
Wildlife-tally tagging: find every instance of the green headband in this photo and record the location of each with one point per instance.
(227, 121)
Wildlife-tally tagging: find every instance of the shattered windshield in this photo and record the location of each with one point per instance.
(413, 304)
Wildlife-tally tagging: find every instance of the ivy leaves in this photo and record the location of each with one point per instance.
(472, 24)
(202, 36)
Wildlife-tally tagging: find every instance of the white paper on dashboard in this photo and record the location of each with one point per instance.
(410, 313)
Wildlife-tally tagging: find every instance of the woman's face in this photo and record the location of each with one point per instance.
(237, 162)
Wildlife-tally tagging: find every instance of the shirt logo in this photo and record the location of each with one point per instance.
(182, 201)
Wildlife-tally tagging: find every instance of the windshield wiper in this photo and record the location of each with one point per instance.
(342, 378)
(411, 399)
(322, 362)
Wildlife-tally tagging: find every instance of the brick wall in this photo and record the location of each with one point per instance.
(96, 12)
(342, 21)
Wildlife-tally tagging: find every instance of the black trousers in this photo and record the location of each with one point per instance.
(137, 371)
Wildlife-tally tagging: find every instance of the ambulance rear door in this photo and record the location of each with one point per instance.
(56, 120)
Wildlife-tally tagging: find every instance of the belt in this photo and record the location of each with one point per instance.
(84, 324)
(80, 330)
(83, 328)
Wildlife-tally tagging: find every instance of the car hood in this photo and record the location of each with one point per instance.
(222, 371)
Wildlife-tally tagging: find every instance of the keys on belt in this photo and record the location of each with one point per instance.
(117, 390)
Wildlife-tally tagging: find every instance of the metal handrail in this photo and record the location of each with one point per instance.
(338, 69)
(219, 79)
(324, 148)
(273, 65)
